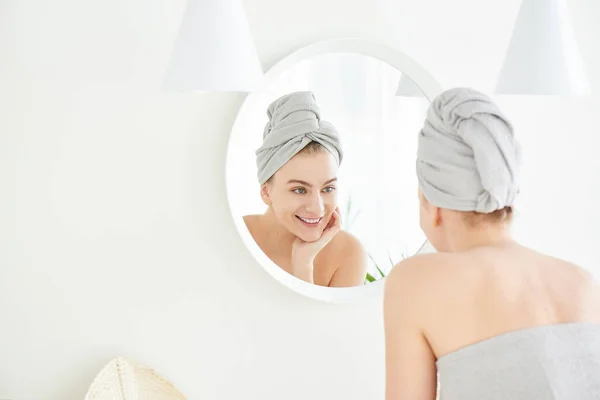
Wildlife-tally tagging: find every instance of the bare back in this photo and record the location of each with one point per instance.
(489, 291)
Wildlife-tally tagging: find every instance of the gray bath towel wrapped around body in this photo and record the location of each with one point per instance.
(294, 122)
(553, 362)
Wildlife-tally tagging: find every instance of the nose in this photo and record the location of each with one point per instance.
(316, 205)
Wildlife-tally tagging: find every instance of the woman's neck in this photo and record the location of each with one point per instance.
(277, 235)
(467, 238)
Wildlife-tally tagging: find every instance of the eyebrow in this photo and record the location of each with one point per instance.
(308, 184)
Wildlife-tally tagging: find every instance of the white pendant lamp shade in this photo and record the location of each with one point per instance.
(213, 50)
(542, 56)
(408, 88)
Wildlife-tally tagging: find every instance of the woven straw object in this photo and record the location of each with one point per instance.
(123, 379)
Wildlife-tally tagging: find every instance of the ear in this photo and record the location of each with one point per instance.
(434, 212)
(264, 194)
(437, 215)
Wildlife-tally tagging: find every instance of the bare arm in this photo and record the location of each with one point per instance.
(410, 363)
(353, 267)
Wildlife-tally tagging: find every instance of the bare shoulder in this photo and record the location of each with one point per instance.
(252, 222)
(348, 258)
(421, 269)
(251, 219)
(410, 289)
(575, 273)
(422, 278)
(574, 268)
(348, 240)
(556, 265)
(345, 244)
(253, 225)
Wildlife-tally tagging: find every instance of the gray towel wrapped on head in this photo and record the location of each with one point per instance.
(468, 158)
(294, 122)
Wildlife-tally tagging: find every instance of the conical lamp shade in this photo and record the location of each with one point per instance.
(213, 50)
(408, 88)
(542, 56)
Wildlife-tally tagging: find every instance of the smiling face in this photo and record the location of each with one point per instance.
(302, 193)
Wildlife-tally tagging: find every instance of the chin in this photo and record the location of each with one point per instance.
(309, 237)
(307, 234)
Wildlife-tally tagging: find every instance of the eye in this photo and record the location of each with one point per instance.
(329, 189)
(299, 190)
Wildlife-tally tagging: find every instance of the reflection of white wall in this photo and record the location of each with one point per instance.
(115, 236)
(378, 131)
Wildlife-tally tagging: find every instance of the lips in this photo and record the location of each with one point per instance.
(310, 221)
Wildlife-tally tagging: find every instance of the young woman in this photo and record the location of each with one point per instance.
(297, 170)
(494, 319)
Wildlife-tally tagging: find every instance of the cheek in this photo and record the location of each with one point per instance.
(287, 203)
(331, 199)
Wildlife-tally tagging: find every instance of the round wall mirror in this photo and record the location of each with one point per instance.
(373, 100)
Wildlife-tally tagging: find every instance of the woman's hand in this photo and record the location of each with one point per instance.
(304, 253)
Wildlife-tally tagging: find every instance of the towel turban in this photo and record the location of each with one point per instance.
(294, 122)
(468, 158)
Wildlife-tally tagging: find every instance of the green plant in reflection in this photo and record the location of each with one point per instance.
(370, 278)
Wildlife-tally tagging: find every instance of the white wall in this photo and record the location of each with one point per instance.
(115, 237)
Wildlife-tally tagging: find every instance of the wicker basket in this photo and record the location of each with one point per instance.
(124, 379)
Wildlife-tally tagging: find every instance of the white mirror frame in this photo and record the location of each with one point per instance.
(425, 81)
